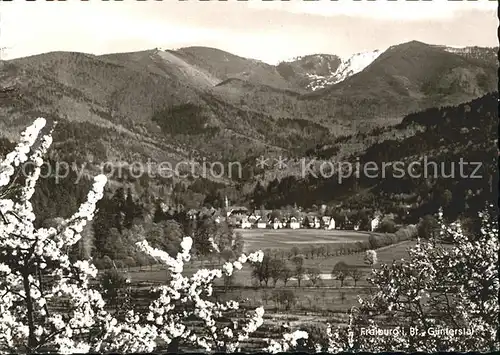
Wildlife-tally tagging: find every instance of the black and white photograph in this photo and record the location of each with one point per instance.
(248, 176)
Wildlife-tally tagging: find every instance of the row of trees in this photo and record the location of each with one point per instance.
(273, 269)
(341, 271)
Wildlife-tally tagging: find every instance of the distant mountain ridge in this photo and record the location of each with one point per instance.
(407, 78)
(199, 101)
(348, 67)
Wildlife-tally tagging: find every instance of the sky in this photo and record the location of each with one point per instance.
(267, 30)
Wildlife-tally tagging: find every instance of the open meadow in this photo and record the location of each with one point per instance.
(256, 239)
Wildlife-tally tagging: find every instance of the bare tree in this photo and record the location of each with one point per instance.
(261, 271)
(340, 272)
(299, 273)
(286, 298)
(286, 274)
(298, 260)
(314, 275)
(275, 268)
(356, 275)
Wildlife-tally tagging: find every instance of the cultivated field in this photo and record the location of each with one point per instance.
(386, 255)
(256, 239)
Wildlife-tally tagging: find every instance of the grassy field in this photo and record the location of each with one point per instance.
(256, 239)
(385, 255)
(243, 277)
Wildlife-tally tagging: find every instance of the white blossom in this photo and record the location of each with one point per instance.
(34, 249)
(289, 341)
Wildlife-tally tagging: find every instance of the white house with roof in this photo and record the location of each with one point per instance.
(238, 211)
(253, 217)
(245, 223)
(293, 223)
(328, 222)
(276, 223)
(314, 221)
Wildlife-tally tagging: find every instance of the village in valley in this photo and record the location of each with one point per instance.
(316, 262)
(242, 217)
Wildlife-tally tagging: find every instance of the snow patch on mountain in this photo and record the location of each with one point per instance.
(348, 67)
(300, 57)
(186, 69)
(292, 59)
(355, 64)
(459, 50)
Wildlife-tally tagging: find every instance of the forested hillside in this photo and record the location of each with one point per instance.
(446, 135)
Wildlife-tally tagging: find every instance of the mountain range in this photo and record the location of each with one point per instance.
(196, 102)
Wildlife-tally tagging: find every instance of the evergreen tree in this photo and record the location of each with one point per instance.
(132, 210)
(159, 215)
(117, 208)
(258, 194)
(103, 222)
(212, 199)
